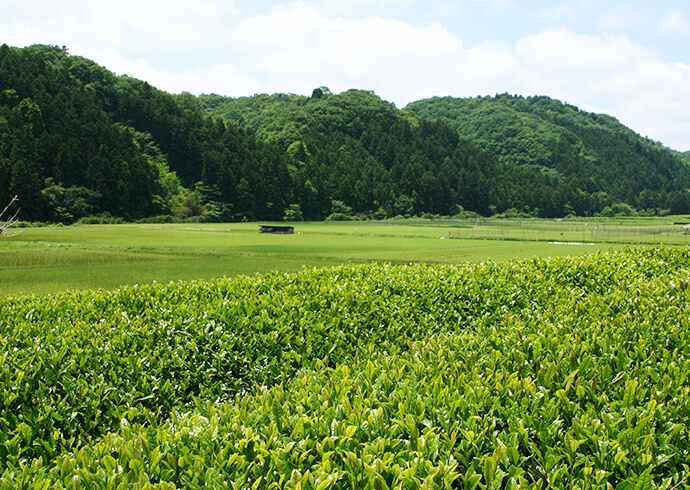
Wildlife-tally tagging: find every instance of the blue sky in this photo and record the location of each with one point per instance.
(627, 58)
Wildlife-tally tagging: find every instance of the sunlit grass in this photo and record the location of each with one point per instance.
(51, 259)
(54, 257)
(53, 279)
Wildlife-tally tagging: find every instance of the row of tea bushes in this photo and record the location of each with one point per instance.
(74, 364)
(562, 372)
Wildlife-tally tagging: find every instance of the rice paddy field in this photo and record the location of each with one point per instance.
(52, 259)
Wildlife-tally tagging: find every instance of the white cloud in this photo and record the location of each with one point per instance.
(622, 17)
(673, 22)
(135, 27)
(613, 75)
(301, 48)
(221, 78)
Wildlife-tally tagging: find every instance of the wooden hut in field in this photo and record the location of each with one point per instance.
(281, 230)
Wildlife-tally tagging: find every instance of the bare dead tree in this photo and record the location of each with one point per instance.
(9, 221)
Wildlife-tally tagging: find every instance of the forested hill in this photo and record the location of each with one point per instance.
(76, 141)
(357, 150)
(595, 154)
(540, 156)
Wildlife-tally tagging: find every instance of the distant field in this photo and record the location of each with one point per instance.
(51, 259)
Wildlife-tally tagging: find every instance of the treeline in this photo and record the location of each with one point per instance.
(503, 154)
(59, 151)
(78, 142)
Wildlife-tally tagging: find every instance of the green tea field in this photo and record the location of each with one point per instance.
(562, 372)
(401, 355)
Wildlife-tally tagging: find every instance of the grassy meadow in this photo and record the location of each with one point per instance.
(51, 259)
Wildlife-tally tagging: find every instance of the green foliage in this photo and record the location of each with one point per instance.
(249, 179)
(358, 149)
(618, 209)
(69, 122)
(557, 373)
(339, 211)
(293, 213)
(57, 134)
(557, 158)
(71, 204)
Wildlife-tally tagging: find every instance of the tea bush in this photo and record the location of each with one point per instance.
(560, 373)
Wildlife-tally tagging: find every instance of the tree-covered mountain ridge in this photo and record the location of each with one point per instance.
(595, 151)
(77, 141)
(541, 156)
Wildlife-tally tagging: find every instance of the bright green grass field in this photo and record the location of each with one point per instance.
(52, 259)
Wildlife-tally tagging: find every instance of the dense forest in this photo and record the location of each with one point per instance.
(78, 142)
(596, 161)
(361, 153)
(489, 155)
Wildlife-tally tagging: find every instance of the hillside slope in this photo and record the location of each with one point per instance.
(59, 150)
(605, 161)
(76, 140)
(360, 150)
